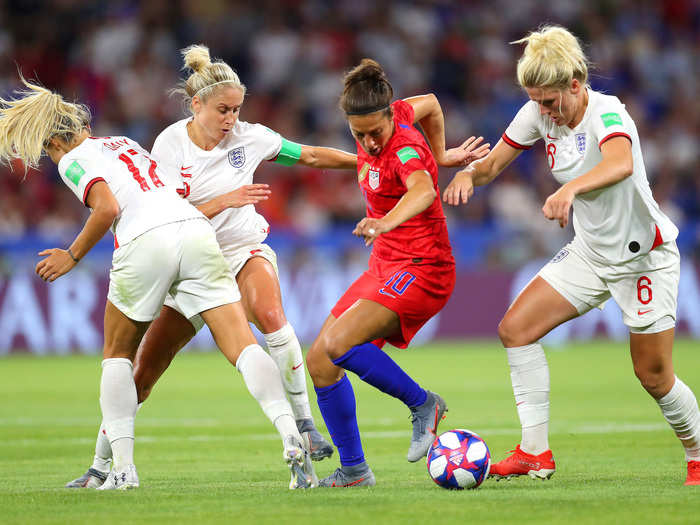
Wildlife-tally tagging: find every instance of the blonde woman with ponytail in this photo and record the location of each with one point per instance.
(624, 245)
(163, 245)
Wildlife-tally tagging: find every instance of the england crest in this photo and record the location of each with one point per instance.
(236, 157)
(374, 179)
(580, 143)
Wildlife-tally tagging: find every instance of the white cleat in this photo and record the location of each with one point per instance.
(296, 456)
(123, 479)
(308, 465)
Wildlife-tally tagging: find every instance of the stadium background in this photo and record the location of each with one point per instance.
(121, 57)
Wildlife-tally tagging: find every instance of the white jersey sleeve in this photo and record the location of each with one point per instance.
(269, 142)
(610, 120)
(80, 174)
(525, 129)
(169, 157)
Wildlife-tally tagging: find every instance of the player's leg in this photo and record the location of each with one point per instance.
(118, 393)
(262, 300)
(535, 312)
(653, 365)
(166, 336)
(229, 326)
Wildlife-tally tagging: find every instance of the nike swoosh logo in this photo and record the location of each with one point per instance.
(349, 484)
(551, 138)
(386, 293)
(295, 367)
(185, 168)
(642, 312)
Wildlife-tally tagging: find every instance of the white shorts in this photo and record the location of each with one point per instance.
(181, 259)
(236, 257)
(645, 289)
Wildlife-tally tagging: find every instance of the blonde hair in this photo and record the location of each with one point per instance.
(206, 75)
(551, 59)
(37, 115)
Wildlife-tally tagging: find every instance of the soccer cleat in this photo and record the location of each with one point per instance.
(308, 465)
(341, 479)
(123, 479)
(318, 447)
(425, 419)
(693, 473)
(521, 463)
(296, 457)
(92, 479)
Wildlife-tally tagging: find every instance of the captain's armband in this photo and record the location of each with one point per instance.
(289, 154)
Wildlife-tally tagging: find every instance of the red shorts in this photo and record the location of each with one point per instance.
(416, 292)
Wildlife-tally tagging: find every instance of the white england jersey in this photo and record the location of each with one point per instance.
(613, 224)
(145, 198)
(227, 167)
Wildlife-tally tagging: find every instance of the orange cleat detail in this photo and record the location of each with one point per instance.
(521, 463)
(693, 473)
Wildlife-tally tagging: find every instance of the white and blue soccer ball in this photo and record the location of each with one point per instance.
(459, 459)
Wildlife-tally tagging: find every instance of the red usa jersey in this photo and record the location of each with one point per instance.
(145, 198)
(382, 180)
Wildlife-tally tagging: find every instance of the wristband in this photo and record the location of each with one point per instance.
(72, 256)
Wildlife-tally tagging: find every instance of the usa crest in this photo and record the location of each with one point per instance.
(236, 157)
(374, 179)
(580, 143)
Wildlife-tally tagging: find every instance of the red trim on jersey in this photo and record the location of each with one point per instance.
(658, 240)
(512, 143)
(613, 135)
(89, 185)
(116, 243)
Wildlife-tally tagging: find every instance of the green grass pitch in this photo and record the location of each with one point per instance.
(206, 454)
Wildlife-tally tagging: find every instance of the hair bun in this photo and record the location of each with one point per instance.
(196, 57)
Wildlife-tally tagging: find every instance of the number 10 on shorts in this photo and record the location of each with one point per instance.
(399, 282)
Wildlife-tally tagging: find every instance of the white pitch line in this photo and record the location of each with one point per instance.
(588, 428)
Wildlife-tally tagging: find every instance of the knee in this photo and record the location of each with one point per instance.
(655, 379)
(510, 334)
(270, 319)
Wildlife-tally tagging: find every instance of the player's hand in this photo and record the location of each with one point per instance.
(460, 189)
(59, 262)
(370, 229)
(558, 204)
(248, 194)
(465, 154)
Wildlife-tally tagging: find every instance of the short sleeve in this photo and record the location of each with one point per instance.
(403, 113)
(524, 131)
(269, 142)
(80, 174)
(609, 121)
(407, 160)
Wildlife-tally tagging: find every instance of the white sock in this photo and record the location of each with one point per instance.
(262, 377)
(529, 374)
(680, 408)
(285, 349)
(118, 401)
(103, 450)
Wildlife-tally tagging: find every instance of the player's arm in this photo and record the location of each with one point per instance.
(105, 209)
(479, 173)
(616, 166)
(318, 157)
(428, 113)
(248, 194)
(420, 195)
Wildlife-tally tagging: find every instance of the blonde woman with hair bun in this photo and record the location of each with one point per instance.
(163, 245)
(624, 245)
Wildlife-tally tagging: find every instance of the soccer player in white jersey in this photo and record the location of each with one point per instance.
(624, 246)
(163, 245)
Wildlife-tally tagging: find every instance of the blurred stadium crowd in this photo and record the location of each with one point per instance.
(122, 56)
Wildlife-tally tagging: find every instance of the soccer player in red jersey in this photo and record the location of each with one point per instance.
(411, 270)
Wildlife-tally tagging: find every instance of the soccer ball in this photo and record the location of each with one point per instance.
(459, 459)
